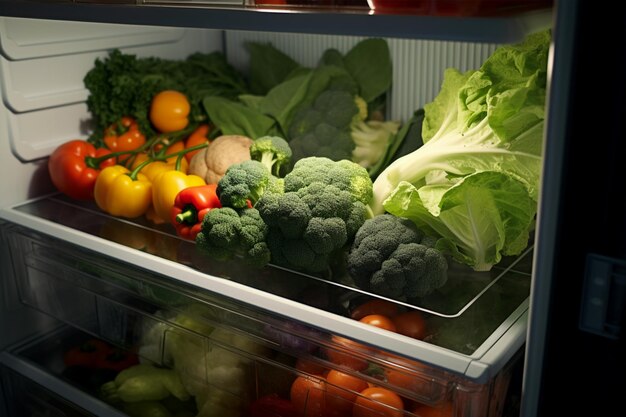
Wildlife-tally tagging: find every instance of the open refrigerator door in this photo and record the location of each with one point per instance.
(110, 314)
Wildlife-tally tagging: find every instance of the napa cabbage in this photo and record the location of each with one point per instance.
(475, 181)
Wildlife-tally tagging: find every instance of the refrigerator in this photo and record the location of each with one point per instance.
(537, 334)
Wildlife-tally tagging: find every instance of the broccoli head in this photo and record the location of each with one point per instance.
(345, 175)
(226, 233)
(273, 151)
(388, 257)
(323, 128)
(243, 182)
(323, 140)
(308, 226)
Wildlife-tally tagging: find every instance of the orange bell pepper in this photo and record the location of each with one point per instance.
(124, 136)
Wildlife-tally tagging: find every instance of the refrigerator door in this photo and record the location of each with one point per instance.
(578, 301)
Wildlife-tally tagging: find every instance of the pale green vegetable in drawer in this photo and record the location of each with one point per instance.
(144, 382)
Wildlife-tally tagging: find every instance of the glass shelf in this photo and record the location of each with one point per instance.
(358, 21)
(464, 312)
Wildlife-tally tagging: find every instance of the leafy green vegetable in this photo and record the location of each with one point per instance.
(369, 64)
(314, 109)
(268, 67)
(475, 180)
(123, 85)
(234, 118)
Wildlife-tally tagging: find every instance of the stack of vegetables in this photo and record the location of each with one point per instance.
(287, 164)
(297, 167)
(291, 165)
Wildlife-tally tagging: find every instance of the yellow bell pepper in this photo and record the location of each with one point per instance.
(166, 186)
(117, 193)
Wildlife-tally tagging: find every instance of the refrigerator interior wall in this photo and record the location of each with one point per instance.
(42, 65)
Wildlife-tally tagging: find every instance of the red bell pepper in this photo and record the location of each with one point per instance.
(98, 354)
(190, 206)
(86, 354)
(74, 167)
(124, 135)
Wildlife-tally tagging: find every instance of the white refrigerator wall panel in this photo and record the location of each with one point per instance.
(42, 66)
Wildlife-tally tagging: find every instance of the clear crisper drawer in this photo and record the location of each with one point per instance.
(460, 316)
(202, 335)
(29, 398)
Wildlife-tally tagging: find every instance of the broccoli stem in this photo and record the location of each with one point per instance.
(267, 159)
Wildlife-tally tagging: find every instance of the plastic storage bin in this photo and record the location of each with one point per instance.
(155, 315)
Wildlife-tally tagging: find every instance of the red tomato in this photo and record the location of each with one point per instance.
(341, 391)
(272, 405)
(73, 170)
(380, 321)
(378, 402)
(343, 353)
(310, 367)
(307, 395)
(415, 378)
(411, 324)
(375, 306)
(422, 410)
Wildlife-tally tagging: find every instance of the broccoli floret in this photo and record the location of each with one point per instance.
(276, 185)
(273, 151)
(323, 140)
(243, 182)
(226, 233)
(345, 175)
(338, 107)
(286, 213)
(323, 129)
(308, 226)
(387, 257)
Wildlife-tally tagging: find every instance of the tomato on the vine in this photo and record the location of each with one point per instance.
(169, 111)
(411, 324)
(378, 402)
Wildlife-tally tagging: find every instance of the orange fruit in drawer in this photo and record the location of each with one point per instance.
(378, 402)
